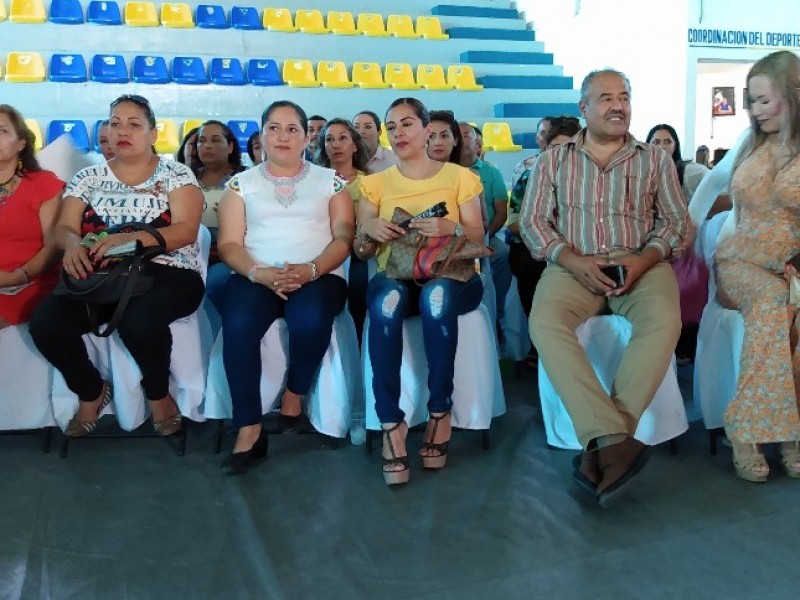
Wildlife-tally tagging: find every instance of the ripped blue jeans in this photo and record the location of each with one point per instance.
(439, 302)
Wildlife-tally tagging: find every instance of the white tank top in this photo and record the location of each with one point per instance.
(285, 223)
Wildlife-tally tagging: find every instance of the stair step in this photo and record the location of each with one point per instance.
(527, 140)
(510, 58)
(537, 110)
(529, 82)
(480, 33)
(452, 10)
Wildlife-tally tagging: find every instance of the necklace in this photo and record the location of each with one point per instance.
(7, 188)
(285, 188)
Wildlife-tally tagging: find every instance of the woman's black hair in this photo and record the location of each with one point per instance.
(568, 126)
(27, 156)
(680, 164)
(191, 162)
(375, 118)
(416, 105)
(361, 155)
(235, 157)
(301, 114)
(447, 116)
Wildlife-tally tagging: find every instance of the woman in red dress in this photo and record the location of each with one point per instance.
(30, 200)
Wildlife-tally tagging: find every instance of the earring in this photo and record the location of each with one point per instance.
(19, 165)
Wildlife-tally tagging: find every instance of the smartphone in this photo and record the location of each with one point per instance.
(131, 248)
(437, 210)
(616, 273)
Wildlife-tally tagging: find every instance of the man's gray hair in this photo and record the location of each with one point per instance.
(587, 81)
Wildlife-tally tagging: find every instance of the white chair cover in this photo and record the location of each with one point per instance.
(515, 326)
(719, 340)
(336, 390)
(478, 394)
(191, 346)
(605, 339)
(24, 382)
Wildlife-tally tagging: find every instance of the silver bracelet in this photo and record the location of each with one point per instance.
(314, 273)
(251, 274)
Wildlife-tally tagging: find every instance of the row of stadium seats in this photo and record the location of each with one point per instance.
(28, 67)
(213, 16)
(496, 136)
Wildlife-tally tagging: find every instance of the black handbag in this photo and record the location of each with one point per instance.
(115, 283)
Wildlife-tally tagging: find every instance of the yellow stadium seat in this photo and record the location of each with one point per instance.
(167, 141)
(462, 78)
(310, 21)
(33, 125)
(383, 140)
(141, 14)
(401, 26)
(177, 15)
(190, 124)
(431, 28)
(333, 74)
(400, 76)
(497, 137)
(279, 19)
(368, 76)
(341, 23)
(26, 11)
(299, 73)
(431, 77)
(2, 10)
(371, 24)
(24, 67)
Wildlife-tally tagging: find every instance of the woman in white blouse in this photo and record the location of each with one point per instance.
(286, 227)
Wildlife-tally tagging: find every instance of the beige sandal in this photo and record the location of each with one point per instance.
(749, 462)
(790, 457)
(78, 428)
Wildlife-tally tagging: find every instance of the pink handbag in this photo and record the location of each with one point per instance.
(692, 275)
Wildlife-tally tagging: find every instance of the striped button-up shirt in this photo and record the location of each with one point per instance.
(634, 202)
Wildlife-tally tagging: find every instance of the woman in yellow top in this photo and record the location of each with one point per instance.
(415, 184)
(344, 150)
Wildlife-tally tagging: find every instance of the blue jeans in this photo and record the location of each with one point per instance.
(248, 310)
(439, 302)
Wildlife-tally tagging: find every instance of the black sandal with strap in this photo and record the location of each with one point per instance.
(394, 476)
(440, 459)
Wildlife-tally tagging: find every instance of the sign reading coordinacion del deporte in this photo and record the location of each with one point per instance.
(739, 38)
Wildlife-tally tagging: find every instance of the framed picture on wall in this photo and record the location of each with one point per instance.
(746, 100)
(723, 104)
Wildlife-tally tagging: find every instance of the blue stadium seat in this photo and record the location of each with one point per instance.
(211, 16)
(109, 68)
(263, 71)
(150, 69)
(226, 71)
(189, 70)
(67, 12)
(246, 17)
(69, 68)
(243, 130)
(104, 12)
(76, 130)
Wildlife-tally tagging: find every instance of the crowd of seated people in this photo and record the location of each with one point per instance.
(298, 232)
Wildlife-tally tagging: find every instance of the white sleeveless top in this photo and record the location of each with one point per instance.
(282, 226)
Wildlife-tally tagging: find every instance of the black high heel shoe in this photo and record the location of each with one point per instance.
(240, 462)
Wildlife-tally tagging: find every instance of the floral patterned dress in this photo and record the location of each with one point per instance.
(750, 266)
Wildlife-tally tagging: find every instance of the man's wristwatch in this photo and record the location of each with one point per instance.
(459, 230)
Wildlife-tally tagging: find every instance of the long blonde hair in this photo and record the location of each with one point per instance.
(783, 70)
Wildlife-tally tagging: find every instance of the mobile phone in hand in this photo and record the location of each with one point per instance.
(616, 273)
(437, 210)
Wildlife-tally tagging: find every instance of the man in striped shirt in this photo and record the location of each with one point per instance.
(604, 200)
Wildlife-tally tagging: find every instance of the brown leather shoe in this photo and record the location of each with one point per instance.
(619, 464)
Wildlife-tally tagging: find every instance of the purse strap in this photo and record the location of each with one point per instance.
(135, 268)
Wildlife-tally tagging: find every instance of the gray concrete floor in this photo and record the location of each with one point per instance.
(128, 519)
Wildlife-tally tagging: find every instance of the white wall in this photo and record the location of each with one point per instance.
(643, 38)
(721, 131)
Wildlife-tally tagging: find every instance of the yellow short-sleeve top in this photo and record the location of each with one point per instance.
(453, 185)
